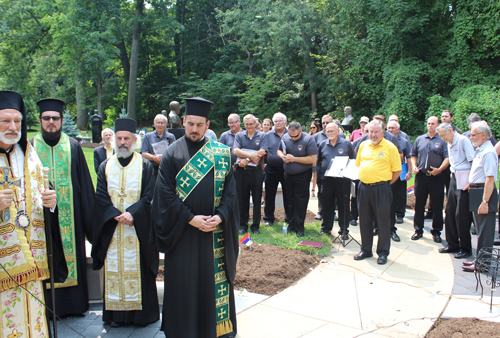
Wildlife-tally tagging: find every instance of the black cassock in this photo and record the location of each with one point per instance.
(75, 299)
(105, 226)
(189, 293)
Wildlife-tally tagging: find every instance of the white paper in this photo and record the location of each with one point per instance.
(351, 171)
(462, 178)
(337, 166)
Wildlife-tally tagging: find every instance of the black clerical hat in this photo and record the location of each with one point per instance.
(13, 100)
(51, 105)
(126, 125)
(198, 106)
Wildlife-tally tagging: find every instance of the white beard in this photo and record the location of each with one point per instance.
(123, 152)
(6, 140)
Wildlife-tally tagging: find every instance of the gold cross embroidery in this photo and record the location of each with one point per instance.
(39, 326)
(63, 191)
(220, 240)
(202, 163)
(223, 164)
(16, 334)
(222, 290)
(221, 313)
(220, 265)
(185, 181)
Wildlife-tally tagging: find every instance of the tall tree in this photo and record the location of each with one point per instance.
(134, 59)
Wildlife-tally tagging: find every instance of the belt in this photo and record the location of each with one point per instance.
(375, 184)
(249, 167)
(476, 185)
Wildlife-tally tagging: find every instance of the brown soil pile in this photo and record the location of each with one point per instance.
(268, 269)
(465, 328)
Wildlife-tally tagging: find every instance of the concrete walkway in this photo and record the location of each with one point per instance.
(347, 298)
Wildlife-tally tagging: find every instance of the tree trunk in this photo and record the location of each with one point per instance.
(179, 38)
(310, 74)
(81, 115)
(99, 93)
(134, 59)
(124, 60)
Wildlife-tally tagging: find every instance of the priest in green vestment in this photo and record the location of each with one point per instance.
(121, 239)
(75, 199)
(194, 222)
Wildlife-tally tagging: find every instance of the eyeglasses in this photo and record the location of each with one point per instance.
(474, 135)
(313, 127)
(292, 136)
(54, 118)
(325, 122)
(231, 123)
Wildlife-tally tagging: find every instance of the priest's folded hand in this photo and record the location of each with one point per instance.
(49, 198)
(125, 218)
(200, 222)
(6, 198)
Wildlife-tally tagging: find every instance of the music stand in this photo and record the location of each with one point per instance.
(488, 263)
(346, 215)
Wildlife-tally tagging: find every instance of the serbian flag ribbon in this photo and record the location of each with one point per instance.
(411, 189)
(246, 239)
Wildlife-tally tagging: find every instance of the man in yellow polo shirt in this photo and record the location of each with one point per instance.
(379, 166)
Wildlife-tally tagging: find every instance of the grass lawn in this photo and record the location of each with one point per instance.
(274, 235)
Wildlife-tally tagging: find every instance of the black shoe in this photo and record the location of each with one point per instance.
(428, 215)
(335, 218)
(256, 232)
(345, 236)
(318, 217)
(395, 236)
(362, 255)
(382, 260)
(375, 231)
(437, 238)
(416, 236)
(322, 232)
(462, 254)
(243, 231)
(473, 230)
(448, 250)
(267, 223)
(399, 220)
(353, 222)
(300, 234)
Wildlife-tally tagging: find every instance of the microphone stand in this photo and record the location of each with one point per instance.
(50, 251)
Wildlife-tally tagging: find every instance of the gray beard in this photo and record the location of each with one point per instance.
(123, 152)
(9, 141)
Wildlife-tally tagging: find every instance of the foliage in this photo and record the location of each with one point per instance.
(68, 125)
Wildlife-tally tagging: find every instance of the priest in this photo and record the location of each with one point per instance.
(195, 223)
(23, 196)
(122, 221)
(75, 199)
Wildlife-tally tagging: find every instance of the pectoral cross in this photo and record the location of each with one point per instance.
(221, 313)
(184, 181)
(222, 290)
(223, 164)
(7, 184)
(202, 163)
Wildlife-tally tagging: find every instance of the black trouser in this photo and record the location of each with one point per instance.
(297, 189)
(446, 176)
(249, 181)
(318, 183)
(485, 225)
(374, 205)
(425, 186)
(398, 201)
(339, 189)
(274, 176)
(354, 203)
(458, 219)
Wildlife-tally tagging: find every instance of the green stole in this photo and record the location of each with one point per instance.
(58, 159)
(218, 156)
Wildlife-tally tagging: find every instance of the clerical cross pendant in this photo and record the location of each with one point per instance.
(223, 164)
(221, 313)
(202, 163)
(222, 290)
(185, 181)
(7, 184)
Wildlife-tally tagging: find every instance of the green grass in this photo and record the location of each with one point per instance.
(274, 235)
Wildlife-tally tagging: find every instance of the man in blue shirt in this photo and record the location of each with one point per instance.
(154, 137)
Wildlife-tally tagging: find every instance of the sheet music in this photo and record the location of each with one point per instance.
(337, 166)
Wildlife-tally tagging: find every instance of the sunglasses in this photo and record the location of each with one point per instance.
(54, 118)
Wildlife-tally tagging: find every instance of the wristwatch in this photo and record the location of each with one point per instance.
(248, 159)
(484, 201)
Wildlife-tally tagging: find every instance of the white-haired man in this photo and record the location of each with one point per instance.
(75, 199)
(227, 137)
(482, 191)
(122, 221)
(105, 151)
(250, 146)
(379, 166)
(22, 223)
(275, 173)
(156, 142)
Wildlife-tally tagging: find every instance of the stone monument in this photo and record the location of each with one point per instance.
(175, 120)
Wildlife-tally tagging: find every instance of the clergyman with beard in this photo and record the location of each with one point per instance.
(75, 199)
(125, 187)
